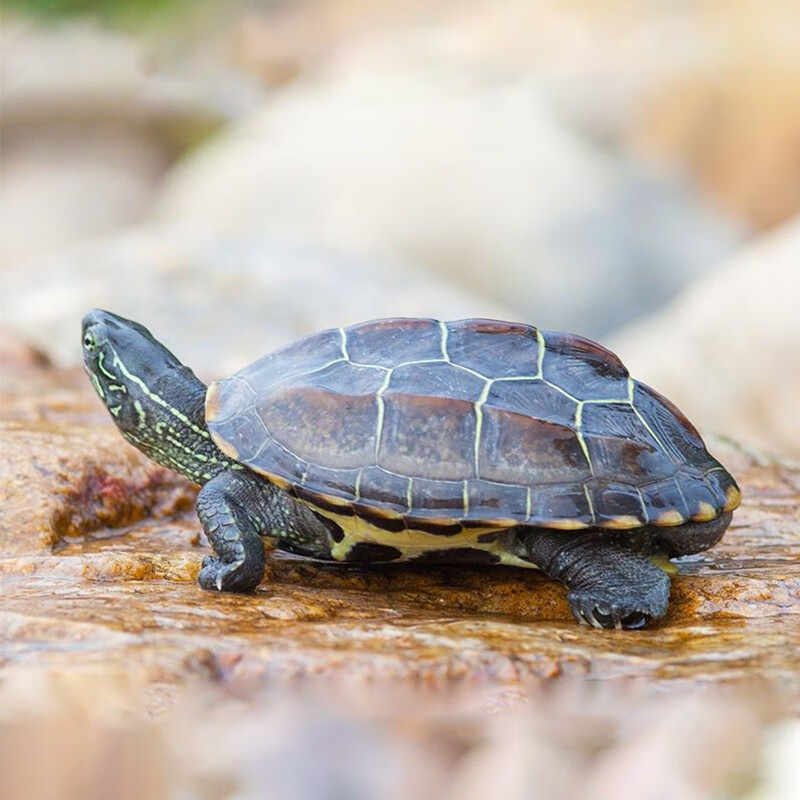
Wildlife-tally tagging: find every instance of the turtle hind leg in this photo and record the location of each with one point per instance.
(609, 585)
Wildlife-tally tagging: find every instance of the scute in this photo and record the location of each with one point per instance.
(442, 427)
(534, 398)
(427, 436)
(583, 368)
(514, 445)
(307, 420)
(388, 342)
(493, 349)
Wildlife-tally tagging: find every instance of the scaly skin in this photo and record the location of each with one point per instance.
(159, 406)
(237, 508)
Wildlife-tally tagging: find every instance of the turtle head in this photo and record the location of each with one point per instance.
(123, 359)
(156, 402)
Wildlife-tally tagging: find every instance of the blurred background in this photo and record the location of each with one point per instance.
(235, 174)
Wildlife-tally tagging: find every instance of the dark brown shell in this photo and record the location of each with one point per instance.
(427, 424)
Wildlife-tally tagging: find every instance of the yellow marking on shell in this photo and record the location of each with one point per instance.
(528, 503)
(706, 513)
(381, 403)
(410, 542)
(333, 500)
(641, 419)
(479, 422)
(540, 355)
(733, 497)
(589, 501)
(645, 515)
(212, 402)
(441, 522)
(562, 524)
(343, 337)
(385, 513)
(443, 331)
(581, 438)
(621, 523)
(506, 559)
(667, 518)
(359, 529)
(505, 523)
(465, 498)
(558, 389)
(225, 446)
(278, 480)
(339, 550)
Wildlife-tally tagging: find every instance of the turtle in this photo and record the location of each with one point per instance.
(467, 442)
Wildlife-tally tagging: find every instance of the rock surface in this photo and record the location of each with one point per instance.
(100, 550)
(219, 302)
(728, 350)
(386, 155)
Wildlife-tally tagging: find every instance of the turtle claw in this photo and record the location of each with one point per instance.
(620, 615)
(220, 576)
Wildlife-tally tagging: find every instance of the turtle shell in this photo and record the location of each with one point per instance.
(475, 423)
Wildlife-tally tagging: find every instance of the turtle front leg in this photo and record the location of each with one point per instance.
(610, 586)
(228, 510)
(236, 508)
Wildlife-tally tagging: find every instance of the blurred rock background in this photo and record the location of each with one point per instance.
(236, 173)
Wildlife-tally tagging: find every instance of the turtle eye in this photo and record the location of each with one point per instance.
(88, 341)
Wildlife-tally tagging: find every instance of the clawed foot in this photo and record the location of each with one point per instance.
(237, 576)
(620, 613)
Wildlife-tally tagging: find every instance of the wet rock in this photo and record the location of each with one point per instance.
(469, 176)
(218, 302)
(63, 482)
(728, 350)
(101, 547)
